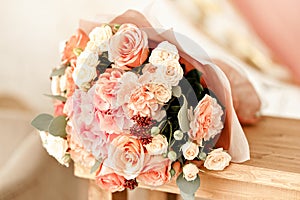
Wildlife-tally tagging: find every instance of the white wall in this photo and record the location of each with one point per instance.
(29, 37)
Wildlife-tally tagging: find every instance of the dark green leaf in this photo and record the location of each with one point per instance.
(96, 166)
(194, 74)
(57, 97)
(58, 72)
(42, 121)
(57, 126)
(188, 187)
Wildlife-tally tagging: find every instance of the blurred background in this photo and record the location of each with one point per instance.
(31, 30)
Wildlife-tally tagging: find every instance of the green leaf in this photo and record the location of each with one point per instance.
(176, 91)
(57, 126)
(96, 166)
(57, 97)
(196, 74)
(188, 187)
(42, 121)
(58, 72)
(182, 116)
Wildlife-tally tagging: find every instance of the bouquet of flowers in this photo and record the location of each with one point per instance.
(132, 107)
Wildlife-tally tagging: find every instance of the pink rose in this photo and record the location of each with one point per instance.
(108, 180)
(129, 46)
(126, 156)
(206, 122)
(156, 171)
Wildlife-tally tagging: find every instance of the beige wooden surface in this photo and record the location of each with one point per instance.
(272, 173)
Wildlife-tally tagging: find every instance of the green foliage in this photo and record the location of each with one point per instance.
(96, 166)
(57, 97)
(42, 121)
(57, 126)
(183, 120)
(58, 72)
(188, 187)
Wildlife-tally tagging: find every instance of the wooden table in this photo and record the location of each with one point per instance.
(272, 173)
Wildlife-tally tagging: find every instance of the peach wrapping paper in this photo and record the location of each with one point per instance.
(232, 137)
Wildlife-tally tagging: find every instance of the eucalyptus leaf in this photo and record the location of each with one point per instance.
(58, 72)
(95, 166)
(188, 187)
(57, 126)
(176, 91)
(183, 120)
(42, 121)
(57, 97)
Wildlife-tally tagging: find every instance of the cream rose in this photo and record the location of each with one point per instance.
(171, 72)
(56, 147)
(164, 52)
(158, 145)
(100, 37)
(161, 92)
(129, 46)
(83, 75)
(87, 58)
(190, 150)
(190, 171)
(217, 160)
(55, 85)
(156, 171)
(126, 156)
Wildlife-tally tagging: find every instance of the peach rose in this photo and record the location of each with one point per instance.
(158, 145)
(156, 171)
(206, 122)
(190, 150)
(58, 108)
(217, 160)
(70, 85)
(126, 156)
(108, 180)
(78, 40)
(129, 46)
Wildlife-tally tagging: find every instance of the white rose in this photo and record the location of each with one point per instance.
(93, 46)
(100, 36)
(63, 83)
(158, 145)
(217, 160)
(190, 171)
(165, 51)
(83, 75)
(161, 91)
(56, 147)
(171, 72)
(88, 58)
(190, 150)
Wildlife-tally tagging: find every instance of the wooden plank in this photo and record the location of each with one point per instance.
(272, 173)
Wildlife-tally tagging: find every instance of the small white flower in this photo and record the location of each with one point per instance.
(178, 135)
(158, 145)
(56, 147)
(101, 35)
(190, 150)
(190, 171)
(217, 160)
(155, 130)
(172, 155)
(83, 75)
(171, 72)
(165, 51)
(88, 58)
